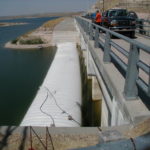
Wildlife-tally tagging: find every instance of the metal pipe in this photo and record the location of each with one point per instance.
(103, 5)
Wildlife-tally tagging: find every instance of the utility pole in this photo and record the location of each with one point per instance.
(103, 5)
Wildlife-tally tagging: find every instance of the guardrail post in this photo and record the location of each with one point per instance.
(141, 27)
(91, 32)
(107, 48)
(96, 43)
(149, 84)
(130, 89)
(84, 26)
(87, 27)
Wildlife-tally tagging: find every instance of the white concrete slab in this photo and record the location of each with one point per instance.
(58, 100)
(60, 94)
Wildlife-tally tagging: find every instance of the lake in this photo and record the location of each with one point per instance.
(21, 71)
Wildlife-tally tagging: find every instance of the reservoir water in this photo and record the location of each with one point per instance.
(21, 71)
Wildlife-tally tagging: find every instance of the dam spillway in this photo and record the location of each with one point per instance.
(58, 101)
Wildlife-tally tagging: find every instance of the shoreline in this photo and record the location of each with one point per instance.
(44, 33)
(27, 47)
(7, 24)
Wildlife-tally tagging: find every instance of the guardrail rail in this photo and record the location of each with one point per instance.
(143, 27)
(131, 68)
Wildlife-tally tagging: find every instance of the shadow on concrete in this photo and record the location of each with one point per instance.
(8, 132)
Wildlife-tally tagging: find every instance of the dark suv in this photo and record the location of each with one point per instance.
(119, 20)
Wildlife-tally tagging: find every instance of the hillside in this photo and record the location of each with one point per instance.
(141, 7)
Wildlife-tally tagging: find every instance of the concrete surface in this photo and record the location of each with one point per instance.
(60, 106)
(65, 32)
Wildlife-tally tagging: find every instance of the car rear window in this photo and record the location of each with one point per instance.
(114, 13)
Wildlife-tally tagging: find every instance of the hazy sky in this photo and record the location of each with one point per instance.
(20, 7)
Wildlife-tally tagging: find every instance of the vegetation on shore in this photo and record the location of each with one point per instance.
(49, 25)
(3, 24)
(32, 41)
(36, 36)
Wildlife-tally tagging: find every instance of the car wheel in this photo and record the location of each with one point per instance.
(132, 34)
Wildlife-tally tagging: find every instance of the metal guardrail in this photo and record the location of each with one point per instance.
(131, 69)
(143, 27)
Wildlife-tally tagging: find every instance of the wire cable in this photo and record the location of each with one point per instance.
(63, 111)
(46, 112)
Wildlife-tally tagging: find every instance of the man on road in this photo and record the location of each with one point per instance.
(98, 19)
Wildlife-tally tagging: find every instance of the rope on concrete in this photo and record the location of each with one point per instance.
(63, 111)
(46, 112)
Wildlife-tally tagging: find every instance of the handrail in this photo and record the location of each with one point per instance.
(140, 45)
(131, 69)
(143, 27)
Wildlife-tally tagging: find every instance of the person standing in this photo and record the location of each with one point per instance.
(98, 19)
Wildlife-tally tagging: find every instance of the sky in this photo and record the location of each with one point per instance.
(25, 7)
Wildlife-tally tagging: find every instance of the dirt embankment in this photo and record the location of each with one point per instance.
(39, 38)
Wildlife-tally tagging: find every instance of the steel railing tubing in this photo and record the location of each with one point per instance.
(143, 66)
(101, 43)
(144, 86)
(120, 49)
(102, 36)
(138, 44)
(119, 61)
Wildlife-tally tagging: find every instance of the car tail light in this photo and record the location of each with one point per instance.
(114, 23)
(133, 22)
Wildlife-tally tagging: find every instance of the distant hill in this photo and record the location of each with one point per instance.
(139, 6)
(142, 6)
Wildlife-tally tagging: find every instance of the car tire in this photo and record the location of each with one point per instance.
(132, 34)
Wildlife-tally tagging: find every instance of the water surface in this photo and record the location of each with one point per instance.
(21, 72)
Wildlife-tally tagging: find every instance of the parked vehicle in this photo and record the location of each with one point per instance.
(120, 20)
